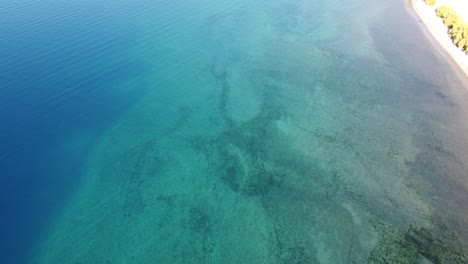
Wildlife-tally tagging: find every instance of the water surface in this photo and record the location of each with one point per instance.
(243, 132)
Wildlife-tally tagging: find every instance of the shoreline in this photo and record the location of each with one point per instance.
(438, 31)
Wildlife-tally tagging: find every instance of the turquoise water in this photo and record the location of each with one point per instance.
(253, 132)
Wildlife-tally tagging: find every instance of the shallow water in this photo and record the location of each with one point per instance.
(266, 132)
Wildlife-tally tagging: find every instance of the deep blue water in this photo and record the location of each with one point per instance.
(58, 71)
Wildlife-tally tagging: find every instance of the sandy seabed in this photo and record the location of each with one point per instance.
(286, 136)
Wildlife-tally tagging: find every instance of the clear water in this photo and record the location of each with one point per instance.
(229, 132)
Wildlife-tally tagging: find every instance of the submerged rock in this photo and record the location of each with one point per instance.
(438, 248)
(418, 245)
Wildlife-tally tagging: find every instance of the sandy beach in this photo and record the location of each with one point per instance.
(436, 27)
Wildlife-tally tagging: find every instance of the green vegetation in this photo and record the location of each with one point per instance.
(457, 28)
(431, 2)
(417, 244)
